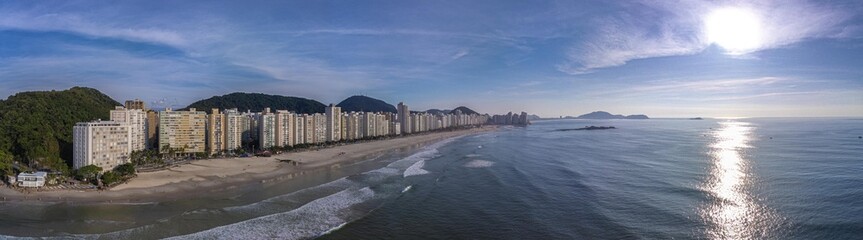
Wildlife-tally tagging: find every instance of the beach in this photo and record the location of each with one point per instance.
(213, 176)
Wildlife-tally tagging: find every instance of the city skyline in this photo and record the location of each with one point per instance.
(798, 58)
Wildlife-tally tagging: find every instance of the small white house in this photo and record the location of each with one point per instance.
(36, 179)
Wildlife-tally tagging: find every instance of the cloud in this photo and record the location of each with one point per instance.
(78, 24)
(671, 28)
(707, 85)
(461, 53)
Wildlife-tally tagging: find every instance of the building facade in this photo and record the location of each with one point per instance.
(182, 131)
(285, 128)
(334, 123)
(104, 144)
(267, 129)
(135, 104)
(216, 134)
(152, 129)
(320, 121)
(234, 123)
(137, 121)
(404, 116)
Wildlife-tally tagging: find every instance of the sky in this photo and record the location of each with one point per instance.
(786, 58)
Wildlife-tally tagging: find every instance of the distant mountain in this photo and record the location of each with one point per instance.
(256, 102)
(533, 117)
(36, 127)
(606, 115)
(436, 111)
(365, 104)
(465, 110)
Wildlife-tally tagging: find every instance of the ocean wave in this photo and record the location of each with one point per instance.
(311, 220)
(274, 203)
(416, 169)
(479, 164)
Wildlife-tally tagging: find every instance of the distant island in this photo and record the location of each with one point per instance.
(606, 115)
(696, 118)
(587, 128)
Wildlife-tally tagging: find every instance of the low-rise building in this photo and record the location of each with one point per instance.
(36, 179)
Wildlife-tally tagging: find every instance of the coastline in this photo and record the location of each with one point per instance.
(213, 176)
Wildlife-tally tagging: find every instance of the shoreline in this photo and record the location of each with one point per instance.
(203, 178)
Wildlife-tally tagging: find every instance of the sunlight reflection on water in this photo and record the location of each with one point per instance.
(734, 212)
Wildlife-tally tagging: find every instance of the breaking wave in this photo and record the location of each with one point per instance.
(479, 164)
(313, 219)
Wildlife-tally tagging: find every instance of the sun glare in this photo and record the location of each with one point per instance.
(736, 30)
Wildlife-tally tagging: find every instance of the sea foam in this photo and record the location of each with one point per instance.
(311, 220)
(479, 164)
(416, 169)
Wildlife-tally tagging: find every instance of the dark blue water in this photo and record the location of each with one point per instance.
(647, 179)
(720, 179)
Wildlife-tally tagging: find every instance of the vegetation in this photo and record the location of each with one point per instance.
(88, 172)
(127, 169)
(365, 104)
(36, 127)
(5, 163)
(465, 110)
(110, 177)
(146, 157)
(257, 102)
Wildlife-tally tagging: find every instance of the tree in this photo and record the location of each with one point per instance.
(5, 163)
(88, 172)
(127, 169)
(110, 177)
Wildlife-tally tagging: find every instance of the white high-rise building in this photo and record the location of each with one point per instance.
(309, 136)
(368, 124)
(285, 128)
(320, 121)
(334, 123)
(104, 144)
(137, 121)
(234, 127)
(267, 129)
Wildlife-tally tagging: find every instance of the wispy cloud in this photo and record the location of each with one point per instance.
(75, 23)
(670, 28)
(461, 53)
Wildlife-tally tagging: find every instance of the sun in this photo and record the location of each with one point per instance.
(737, 30)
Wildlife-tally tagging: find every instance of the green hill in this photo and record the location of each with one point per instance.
(36, 127)
(256, 102)
(464, 110)
(365, 104)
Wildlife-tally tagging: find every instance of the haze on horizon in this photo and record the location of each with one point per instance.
(551, 58)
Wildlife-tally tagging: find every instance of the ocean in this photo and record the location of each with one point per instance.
(771, 178)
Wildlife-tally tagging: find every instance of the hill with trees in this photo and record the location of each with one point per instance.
(360, 103)
(465, 110)
(36, 127)
(256, 102)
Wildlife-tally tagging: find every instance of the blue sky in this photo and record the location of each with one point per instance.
(547, 57)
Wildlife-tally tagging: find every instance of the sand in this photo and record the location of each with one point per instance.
(203, 176)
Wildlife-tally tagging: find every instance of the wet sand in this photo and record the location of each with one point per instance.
(204, 177)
